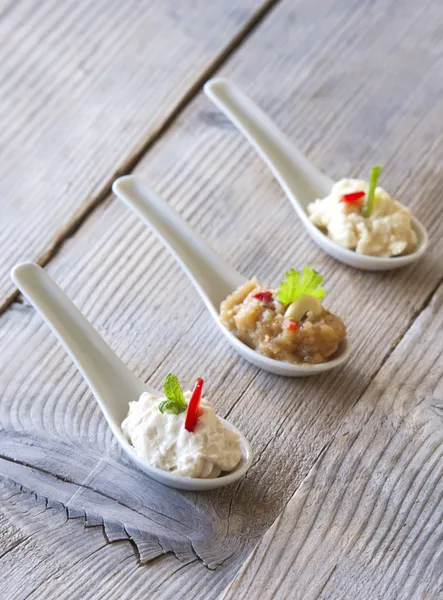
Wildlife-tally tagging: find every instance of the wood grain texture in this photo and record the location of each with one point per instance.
(367, 521)
(85, 87)
(50, 556)
(312, 79)
(163, 521)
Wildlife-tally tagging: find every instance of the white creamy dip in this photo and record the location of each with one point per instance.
(387, 232)
(164, 442)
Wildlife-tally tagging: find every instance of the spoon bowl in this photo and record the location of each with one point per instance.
(111, 382)
(301, 181)
(213, 278)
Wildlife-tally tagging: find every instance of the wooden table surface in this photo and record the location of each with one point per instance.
(345, 496)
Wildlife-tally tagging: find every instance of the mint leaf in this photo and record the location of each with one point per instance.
(297, 286)
(370, 196)
(167, 406)
(175, 402)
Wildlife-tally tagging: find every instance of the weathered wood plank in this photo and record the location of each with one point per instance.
(156, 518)
(51, 557)
(85, 87)
(367, 521)
(125, 282)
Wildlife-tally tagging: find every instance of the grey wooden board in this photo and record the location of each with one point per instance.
(367, 522)
(44, 555)
(85, 86)
(124, 281)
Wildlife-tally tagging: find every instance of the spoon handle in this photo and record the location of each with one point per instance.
(300, 179)
(213, 278)
(109, 379)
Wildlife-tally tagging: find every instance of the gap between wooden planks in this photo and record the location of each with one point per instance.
(107, 80)
(122, 278)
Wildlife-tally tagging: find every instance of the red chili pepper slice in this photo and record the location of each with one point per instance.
(194, 406)
(352, 197)
(291, 325)
(264, 296)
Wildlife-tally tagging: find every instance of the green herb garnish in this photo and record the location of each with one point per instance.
(370, 196)
(175, 402)
(297, 286)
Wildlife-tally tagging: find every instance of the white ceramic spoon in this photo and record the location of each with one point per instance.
(111, 382)
(300, 180)
(213, 278)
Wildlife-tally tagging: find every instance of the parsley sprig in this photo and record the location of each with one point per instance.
(295, 286)
(175, 402)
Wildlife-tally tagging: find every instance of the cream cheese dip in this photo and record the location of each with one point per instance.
(162, 440)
